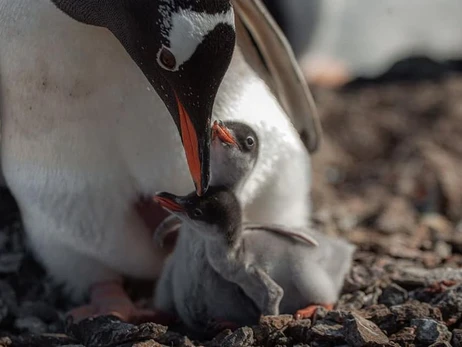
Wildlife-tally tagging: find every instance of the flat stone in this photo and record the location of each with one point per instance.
(327, 331)
(429, 331)
(242, 337)
(393, 295)
(362, 332)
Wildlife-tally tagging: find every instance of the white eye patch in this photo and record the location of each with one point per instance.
(187, 31)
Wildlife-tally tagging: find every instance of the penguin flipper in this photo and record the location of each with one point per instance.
(290, 85)
(168, 225)
(299, 235)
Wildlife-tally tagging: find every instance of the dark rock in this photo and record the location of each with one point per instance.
(327, 331)
(218, 339)
(379, 314)
(450, 304)
(404, 337)
(299, 330)
(362, 332)
(456, 340)
(279, 339)
(403, 314)
(393, 295)
(108, 331)
(241, 337)
(429, 331)
(30, 324)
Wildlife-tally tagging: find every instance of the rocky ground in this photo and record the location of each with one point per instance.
(387, 178)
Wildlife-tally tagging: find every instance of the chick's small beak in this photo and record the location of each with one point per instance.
(169, 202)
(196, 143)
(223, 134)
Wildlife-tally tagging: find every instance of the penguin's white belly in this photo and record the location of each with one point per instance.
(84, 133)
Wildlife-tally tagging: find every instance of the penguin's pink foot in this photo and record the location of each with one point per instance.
(110, 298)
(310, 311)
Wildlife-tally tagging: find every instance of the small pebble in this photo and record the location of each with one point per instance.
(362, 332)
(393, 295)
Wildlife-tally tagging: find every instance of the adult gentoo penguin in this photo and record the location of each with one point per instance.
(84, 134)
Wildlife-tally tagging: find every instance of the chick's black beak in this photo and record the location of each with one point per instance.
(169, 201)
(195, 135)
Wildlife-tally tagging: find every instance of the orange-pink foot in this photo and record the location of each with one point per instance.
(110, 298)
(310, 311)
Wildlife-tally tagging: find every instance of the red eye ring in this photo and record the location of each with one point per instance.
(167, 59)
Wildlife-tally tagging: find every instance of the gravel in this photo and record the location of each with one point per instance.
(387, 179)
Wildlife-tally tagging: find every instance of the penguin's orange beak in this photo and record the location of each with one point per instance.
(223, 134)
(196, 146)
(168, 201)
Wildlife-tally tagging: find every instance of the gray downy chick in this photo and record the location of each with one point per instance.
(233, 154)
(222, 269)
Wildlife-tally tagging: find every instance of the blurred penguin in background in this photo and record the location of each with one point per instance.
(337, 41)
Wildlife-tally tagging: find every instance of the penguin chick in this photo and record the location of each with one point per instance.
(216, 255)
(233, 152)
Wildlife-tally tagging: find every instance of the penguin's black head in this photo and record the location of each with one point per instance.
(184, 48)
(216, 214)
(235, 148)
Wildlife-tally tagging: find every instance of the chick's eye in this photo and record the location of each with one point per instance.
(197, 212)
(250, 141)
(167, 59)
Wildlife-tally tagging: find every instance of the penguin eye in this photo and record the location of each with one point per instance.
(167, 59)
(250, 141)
(197, 212)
